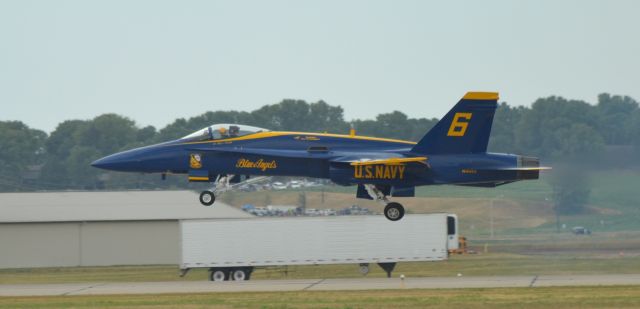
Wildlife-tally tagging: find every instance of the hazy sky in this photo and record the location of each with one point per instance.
(154, 61)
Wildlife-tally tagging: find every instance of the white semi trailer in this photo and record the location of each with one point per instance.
(232, 248)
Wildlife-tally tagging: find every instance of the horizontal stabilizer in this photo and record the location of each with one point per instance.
(515, 173)
(485, 184)
(536, 168)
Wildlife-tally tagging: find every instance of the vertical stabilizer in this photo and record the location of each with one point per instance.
(464, 129)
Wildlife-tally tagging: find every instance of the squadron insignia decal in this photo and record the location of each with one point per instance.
(195, 161)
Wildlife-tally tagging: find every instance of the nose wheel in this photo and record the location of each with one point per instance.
(223, 184)
(394, 211)
(207, 198)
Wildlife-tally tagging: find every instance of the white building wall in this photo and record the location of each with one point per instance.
(39, 245)
(53, 229)
(130, 243)
(24, 245)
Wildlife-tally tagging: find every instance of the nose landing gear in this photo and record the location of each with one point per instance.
(207, 198)
(223, 184)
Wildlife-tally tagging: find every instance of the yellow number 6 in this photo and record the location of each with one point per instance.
(458, 128)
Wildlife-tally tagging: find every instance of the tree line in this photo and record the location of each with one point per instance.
(553, 128)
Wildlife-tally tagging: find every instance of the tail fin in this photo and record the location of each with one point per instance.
(464, 129)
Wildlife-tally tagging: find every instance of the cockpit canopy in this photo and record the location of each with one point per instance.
(222, 131)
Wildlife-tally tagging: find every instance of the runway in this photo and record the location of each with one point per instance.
(106, 288)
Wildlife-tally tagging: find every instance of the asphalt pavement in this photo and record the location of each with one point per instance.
(107, 288)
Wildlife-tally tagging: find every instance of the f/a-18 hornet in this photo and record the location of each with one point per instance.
(454, 152)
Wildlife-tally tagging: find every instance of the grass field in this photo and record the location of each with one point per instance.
(557, 297)
(492, 264)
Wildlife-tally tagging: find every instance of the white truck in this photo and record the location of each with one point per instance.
(232, 248)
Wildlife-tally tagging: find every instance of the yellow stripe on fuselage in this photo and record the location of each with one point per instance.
(390, 161)
(269, 134)
(196, 178)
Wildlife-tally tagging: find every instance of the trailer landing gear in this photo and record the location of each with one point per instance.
(387, 267)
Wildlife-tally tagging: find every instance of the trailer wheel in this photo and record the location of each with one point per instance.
(239, 274)
(218, 275)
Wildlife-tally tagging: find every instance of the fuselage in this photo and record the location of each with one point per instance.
(313, 155)
(454, 151)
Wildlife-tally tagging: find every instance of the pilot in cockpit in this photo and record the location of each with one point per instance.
(234, 131)
(223, 132)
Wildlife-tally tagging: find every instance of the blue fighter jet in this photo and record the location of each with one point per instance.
(454, 152)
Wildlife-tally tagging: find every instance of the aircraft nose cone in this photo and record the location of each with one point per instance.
(104, 163)
(122, 161)
(98, 163)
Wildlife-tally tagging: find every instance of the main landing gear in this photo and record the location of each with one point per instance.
(392, 211)
(223, 184)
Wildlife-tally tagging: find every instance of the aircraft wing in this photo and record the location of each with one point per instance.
(530, 168)
(520, 172)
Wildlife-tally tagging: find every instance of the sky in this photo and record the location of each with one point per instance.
(155, 61)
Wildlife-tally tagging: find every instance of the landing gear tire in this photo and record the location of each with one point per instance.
(207, 198)
(240, 274)
(394, 211)
(218, 275)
